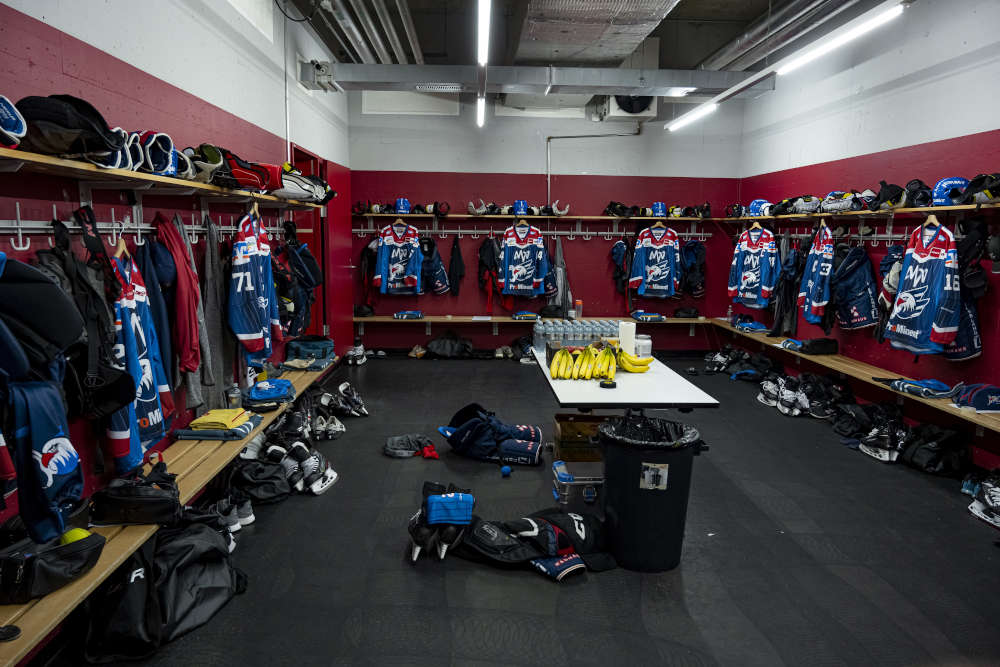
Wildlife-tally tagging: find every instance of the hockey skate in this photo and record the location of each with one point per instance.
(986, 504)
(352, 398)
(770, 390)
(317, 474)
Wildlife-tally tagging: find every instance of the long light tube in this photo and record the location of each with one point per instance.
(483, 31)
(692, 116)
(826, 46)
(480, 111)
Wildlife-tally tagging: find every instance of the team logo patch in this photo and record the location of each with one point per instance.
(57, 457)
(911, 303)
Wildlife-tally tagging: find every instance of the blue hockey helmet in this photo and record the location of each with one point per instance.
(756, 208)
(402, 206)
(941, 193)
(659, 209)
(520, 207)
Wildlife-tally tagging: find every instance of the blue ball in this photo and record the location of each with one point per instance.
(505, 471)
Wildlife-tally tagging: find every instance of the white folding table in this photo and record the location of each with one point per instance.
(659, 387)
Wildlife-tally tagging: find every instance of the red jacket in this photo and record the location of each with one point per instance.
(186, 296)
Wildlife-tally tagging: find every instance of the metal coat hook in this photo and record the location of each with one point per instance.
(587, 235)
(22, 242)
(192, 236)
(138, 232)
(114, 230)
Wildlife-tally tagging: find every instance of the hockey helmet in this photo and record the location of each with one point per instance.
(402, 206)
(659, 209)
(756, 208)
(948, 188)
(520, 207)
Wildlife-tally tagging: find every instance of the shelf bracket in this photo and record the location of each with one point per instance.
(691, 330)
(10, 166)
(979, 431)
(361, 328)
(496, 329)
(427, 328)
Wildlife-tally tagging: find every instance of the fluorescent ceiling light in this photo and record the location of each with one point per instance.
(828, 45)
(439, 87)
(692, 116)
(480, 111)
(679, 91)
(483, 31)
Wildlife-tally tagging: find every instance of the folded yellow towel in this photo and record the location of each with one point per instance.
(221, 419)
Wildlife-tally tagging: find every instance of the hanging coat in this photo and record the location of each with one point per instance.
(196, 380)
(563, 296)
(185, 329)
(456, 267)
(214, 297)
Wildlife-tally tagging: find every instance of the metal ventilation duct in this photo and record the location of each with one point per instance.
(595, 33)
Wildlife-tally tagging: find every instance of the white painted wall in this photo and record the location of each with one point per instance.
(516, 145)
(929, 75)
(208, 48)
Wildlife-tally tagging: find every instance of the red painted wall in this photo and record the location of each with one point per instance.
(962, 156)
(588, 261)
(40, 60)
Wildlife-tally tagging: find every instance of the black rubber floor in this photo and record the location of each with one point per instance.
(798, 551)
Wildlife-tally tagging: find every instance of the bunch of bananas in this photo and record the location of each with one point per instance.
(632, 363)
(586, 364)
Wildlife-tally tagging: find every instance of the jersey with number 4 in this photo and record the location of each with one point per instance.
(754, 270)
(926, 310)
(524, 263)
(656, 265)
(253, 303)
(814, 291)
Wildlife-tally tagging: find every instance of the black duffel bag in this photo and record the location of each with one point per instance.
(66, 125)
(138, 499)
(29, 570)
(450, 346)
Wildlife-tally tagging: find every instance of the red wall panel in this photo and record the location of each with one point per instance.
(962, 156)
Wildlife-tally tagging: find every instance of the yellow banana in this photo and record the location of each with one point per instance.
(567, 367)
(590, 361)
(562, 364)
(611, 369)
(634, 360)
(554, 366)
(608, 356)
(576, 365)
(630, 367)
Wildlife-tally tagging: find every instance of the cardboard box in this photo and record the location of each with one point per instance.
(575, 435)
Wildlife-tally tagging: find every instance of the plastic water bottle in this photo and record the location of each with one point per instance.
(729, 317)
(538, 337)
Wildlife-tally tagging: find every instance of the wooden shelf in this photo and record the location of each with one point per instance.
(865, 372)
(568, 218)
(502, 319)
(15, 161)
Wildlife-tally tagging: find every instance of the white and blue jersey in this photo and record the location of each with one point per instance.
(656, 265)
(139, 424)
(926, 310)
(754, 270)
(524, 262)
(253, 302)
(399, 261)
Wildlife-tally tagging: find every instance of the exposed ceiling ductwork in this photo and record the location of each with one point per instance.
(598, 33)
(773, 31)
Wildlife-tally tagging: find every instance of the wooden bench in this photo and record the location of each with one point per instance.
(196, 463)
(859, 370)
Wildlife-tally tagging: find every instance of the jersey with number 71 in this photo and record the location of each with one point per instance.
(253, 304)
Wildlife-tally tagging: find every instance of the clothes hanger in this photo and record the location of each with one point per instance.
(658, 224)
(756, 225)
(931, 220)
(522, 223)
(120, 247)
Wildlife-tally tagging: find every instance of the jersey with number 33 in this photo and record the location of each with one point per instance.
(814, 291)
(253, 304)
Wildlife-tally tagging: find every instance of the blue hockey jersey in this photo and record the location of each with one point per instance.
(137, 350)
(926, 309)
(399, 261)
(656, 265)
(754, 270)
(814, 291)
(524, 261)
(253, 303)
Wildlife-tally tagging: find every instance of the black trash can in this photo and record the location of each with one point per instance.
(647, 477)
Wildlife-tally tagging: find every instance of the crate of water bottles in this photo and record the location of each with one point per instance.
(572, 332)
